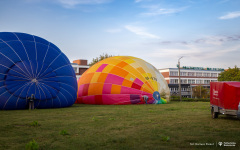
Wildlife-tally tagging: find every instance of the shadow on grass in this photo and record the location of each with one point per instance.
(228, 117)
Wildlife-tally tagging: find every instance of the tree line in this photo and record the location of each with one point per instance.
(230, 74)
(99, 58)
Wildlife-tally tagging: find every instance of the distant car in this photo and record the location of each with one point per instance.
(225, 98)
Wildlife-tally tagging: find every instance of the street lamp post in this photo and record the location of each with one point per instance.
(180, 94)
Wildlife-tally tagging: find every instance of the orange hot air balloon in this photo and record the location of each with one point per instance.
(122, 80)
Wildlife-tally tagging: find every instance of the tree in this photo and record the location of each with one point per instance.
(97, 59)
(200, 92)
(232, 74)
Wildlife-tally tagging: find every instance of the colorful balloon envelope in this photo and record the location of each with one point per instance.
(122, 80)
(30, 65)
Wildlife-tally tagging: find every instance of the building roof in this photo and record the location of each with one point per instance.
(190, 69)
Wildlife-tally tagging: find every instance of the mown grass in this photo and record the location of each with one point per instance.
(170, 126)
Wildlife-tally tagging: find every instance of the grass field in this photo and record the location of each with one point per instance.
(176, 125)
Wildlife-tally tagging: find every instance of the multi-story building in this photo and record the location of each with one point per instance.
(190, 77)
(79, 66)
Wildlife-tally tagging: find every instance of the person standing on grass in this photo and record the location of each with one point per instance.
(31, 101)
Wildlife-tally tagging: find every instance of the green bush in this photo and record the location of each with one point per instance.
(94, 119)
(34, 124)
(63, 132)
(174, 98)
(184, 99)
(111, 119)
(165, 138)
(32, 145)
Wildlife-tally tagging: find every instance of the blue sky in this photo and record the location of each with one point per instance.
(205, 32)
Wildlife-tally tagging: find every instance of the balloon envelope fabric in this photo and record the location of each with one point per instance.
(122, 80)
(31, 65)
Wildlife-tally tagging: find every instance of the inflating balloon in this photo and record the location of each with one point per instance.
(31, 65)
(122, 80)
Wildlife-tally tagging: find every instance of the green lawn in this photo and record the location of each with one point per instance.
(169, 126)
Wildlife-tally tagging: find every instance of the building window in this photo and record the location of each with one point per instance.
(183, 81)
(183, 73)
(193, 82)
(199, 74)
(173, 73)
(198, 81)
(213, 80)
(206, 74)
(190, 81)
(174, 81)
(206, 81)
(213, 74)
(191, 74)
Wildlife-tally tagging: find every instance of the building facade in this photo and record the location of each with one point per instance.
(79, 66)
(190, 77)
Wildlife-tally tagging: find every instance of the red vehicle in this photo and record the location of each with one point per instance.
(225, 98)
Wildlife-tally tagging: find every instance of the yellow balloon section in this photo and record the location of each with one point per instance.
(122, 80)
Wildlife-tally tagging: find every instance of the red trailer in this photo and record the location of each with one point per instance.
(225, 98)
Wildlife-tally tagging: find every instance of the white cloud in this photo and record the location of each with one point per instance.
(73, 3)
(231, 15)
(212, 40)
(156, 10)
(140, 31)
(209, 51)
(195, 52)
(217, 40)
(205, 40)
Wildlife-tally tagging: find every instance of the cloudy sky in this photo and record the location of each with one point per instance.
(205, 32)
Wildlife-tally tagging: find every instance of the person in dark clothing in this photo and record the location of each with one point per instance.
(31, 101)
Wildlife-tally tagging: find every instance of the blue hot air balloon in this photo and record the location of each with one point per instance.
(30, 65)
